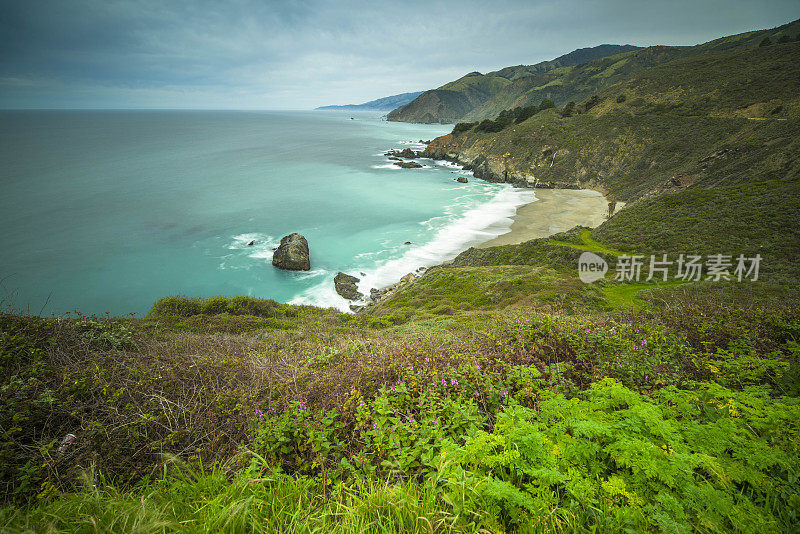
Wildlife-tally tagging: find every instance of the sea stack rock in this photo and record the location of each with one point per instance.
(346, 286)
(292, 254)
(408, 164)
(461, 179)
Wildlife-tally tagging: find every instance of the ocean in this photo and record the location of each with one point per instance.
(108, 211)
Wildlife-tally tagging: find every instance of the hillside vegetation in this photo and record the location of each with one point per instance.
(452, 101)
(720, 118)
(569, 80)
(495, 393)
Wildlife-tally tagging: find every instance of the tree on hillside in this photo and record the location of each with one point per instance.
(569, 108)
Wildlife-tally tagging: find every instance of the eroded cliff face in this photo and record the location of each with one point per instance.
(488, 162)
(630, 156)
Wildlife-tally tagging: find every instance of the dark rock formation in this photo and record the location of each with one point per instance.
(408, 164)
(292, 254)
(462, 179)
(251, 243)
(405, 153)
(407, 243)
(346, 286)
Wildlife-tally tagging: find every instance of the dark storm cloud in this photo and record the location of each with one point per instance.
(264, 54)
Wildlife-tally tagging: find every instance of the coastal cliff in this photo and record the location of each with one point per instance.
(689, 123)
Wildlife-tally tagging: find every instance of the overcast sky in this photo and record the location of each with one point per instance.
(262, 54)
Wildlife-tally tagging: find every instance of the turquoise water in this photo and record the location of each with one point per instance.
(107, 211)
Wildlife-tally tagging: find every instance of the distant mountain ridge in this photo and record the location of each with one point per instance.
(454, 100)
(387, 103)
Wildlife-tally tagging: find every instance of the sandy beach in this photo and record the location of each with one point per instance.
(556, 210)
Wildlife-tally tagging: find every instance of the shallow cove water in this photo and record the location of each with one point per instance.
(108, 211)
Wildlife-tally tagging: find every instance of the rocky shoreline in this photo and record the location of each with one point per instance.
(490, 168)
(498, 169)
(377, 296)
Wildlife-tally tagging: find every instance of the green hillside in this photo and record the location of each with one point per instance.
(579, 80)
(495, 393)
(454, 100)
(719, 118)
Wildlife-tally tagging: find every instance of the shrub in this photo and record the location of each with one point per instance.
(462, 127)
(215, 306)
(621, 99)
(592, 102)
(569, 109)
(176, 307)
(490, 126)
(683, 460)
(784, 39)
(766, 42)
(546, 104)
(240, 305)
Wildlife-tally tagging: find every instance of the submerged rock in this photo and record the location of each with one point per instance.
(251, 243)
(462, 179)
(408, 164)
(345, 285)
(292, 254)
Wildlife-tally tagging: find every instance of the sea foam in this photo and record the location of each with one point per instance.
(450, 236)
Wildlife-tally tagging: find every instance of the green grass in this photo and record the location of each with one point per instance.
(625, 295)
(445, 291)
(749, 219)
(497, 393)
(587, 243)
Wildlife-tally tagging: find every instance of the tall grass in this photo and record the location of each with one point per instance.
(250, 500)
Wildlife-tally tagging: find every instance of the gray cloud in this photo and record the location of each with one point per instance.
(300, 54)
